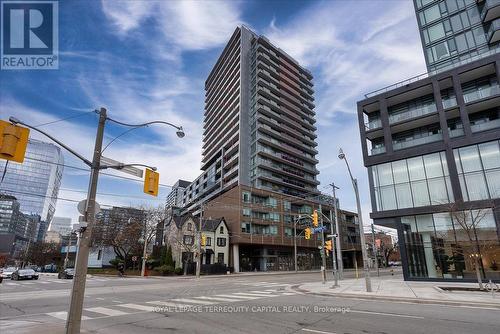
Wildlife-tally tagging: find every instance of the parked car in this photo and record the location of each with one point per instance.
(67, 273)
(24, 274)
(7, 272)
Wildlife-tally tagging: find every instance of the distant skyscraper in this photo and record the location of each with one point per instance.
(454, 31)
(35, 183)
(259, 122)
(62, 225)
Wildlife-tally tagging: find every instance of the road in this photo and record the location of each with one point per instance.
(242, 304)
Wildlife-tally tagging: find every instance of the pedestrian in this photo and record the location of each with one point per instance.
(121, 269)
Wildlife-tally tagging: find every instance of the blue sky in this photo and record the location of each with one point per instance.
(148, 60)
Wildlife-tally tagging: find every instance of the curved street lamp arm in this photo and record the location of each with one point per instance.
(144, 124)
(14, 120)
(112, 140)
(121, 166)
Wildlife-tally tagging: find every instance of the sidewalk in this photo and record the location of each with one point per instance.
(394, 288)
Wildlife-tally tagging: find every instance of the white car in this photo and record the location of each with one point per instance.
(7, 272)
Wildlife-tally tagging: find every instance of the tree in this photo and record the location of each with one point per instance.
(387, 250)
(41, 253)
(467, 221)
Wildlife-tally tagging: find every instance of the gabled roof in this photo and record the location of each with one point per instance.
(207, 224)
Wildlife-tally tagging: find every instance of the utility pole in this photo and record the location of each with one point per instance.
(333, 215)
(340, 262)
(368, 282)
(375, 252)
(77, 293)
(144, 255)
(198, 260)
(295, 242)
(66, 258)
(323, 255)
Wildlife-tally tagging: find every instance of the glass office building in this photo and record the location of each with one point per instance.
(35, 183)
(457, 31)
(431, 146)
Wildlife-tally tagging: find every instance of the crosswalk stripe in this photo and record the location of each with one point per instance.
(170, 304)
(12, 283)
(216, 298)
(254, 294)
(44, 282)
(240, 297)
(263, 292)
(106, 311)
(28, 283)
(193, 301)
(289, 293)
(63, 315)
(138, 307)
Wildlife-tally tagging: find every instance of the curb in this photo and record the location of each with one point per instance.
(399, 299)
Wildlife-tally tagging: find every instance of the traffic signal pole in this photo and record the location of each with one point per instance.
(73, 321)
(322, 251)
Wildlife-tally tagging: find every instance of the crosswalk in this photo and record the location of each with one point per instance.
(262, 284)
(175, 303)
(44, 281)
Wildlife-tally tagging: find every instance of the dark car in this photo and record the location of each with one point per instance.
(67, 273)
(24, 274)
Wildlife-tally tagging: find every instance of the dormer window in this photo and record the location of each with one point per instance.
(189, 227)
(221, 230)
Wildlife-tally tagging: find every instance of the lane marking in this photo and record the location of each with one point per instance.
(240, 297)
(106, 311)
(193, 301)
(138, 307)
(263, 292)
(170, 304)
(316, 331)
(63, 315)
(388, 314)
(253, 294)
(220, 299)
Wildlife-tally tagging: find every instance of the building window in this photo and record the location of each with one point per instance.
(414, 182)
(246, 197)
(208, 241)
(221, 242)
(189, 227)
(188, 240)
(220, 258)
(274, 216)
(288, 231)
(478, 169)
(287, 206)
(99, 255)
(444, 245)
(221, 230)
(245, 228)
(247, 212)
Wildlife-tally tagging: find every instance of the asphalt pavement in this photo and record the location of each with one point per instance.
(235, 304)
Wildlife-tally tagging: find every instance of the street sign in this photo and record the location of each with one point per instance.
(82, 205)
(318, 229)
(121, 167)
(331, 236)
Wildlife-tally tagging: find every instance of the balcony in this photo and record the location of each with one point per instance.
(373, 124)
(494, 32)
(459, 132)
(418, 141)
(449, 102)
(481, 92)
(490, 10)
(485, 124)
(413, 113)
(377, 150)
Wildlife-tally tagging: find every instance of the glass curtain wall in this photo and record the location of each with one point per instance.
(445, 245)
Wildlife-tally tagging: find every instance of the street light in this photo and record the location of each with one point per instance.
(368, 283)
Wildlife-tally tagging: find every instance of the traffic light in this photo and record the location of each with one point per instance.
(328, 245)
(315, 218)
(13, 141)
(151, 182)
(203, 239)
(307, 233)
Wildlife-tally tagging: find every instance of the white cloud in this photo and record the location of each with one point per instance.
(189, 25)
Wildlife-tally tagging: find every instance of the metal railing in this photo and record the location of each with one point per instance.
(487, 125)
(418, 141)
(424, 110)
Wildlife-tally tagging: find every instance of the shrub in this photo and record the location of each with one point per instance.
(165, 270)
(178, 271)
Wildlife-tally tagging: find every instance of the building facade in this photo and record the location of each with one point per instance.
(35, 183)
(174, 198)
(62, 225)
(258, 124)
(432, 150)
(457, 31)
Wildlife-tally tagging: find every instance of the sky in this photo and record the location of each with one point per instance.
(147, 60)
